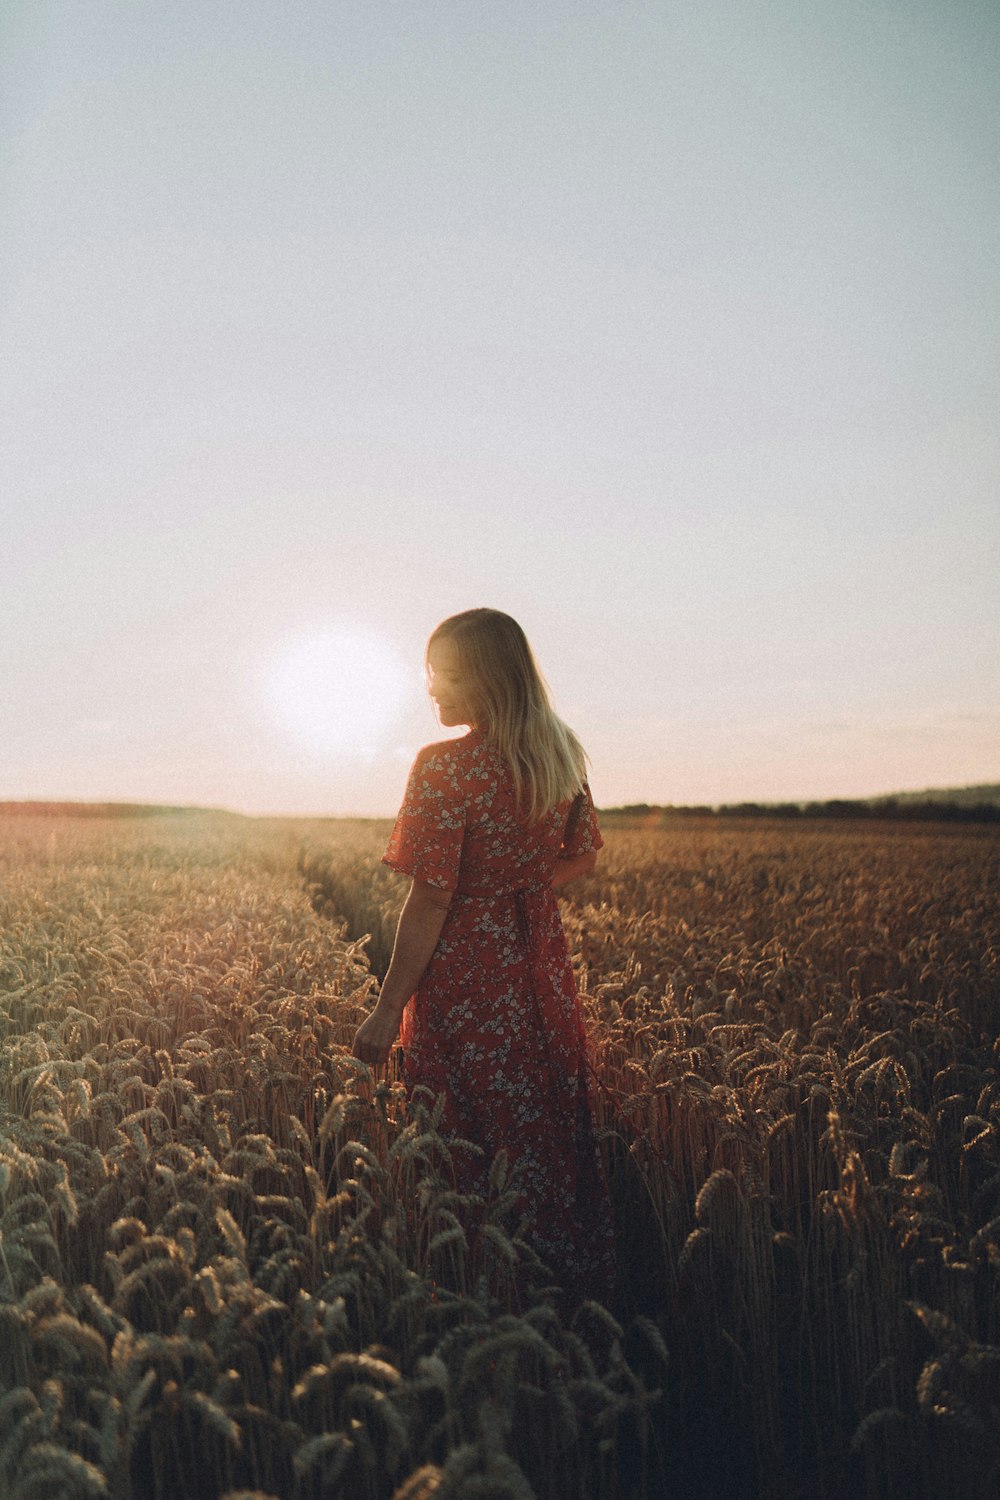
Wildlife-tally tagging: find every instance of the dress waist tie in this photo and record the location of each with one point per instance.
(559, 1008)
(523, 920)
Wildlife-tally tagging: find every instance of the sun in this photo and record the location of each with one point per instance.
(338, 689)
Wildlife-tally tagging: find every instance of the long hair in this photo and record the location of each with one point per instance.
(511, 704)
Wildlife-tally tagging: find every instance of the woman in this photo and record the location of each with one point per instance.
(480, 976)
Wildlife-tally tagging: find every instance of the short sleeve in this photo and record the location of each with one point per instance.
(426, 840)
(582, 833)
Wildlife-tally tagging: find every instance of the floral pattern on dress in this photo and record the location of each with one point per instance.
(495, 1022)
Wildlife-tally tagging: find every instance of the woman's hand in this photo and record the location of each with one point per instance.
(572, 866)
(374, 1037)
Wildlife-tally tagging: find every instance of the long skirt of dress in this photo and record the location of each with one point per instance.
(496, 1027)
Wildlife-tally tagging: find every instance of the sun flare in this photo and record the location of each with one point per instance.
(339, 689)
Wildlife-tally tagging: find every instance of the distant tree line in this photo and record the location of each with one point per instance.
(880, 808)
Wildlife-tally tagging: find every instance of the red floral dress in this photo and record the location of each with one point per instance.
(495, 1022)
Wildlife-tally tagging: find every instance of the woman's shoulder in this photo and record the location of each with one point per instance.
(450, 755)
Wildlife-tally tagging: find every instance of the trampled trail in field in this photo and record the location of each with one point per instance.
(232, 1262)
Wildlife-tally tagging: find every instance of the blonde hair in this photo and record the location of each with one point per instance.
(511, 704)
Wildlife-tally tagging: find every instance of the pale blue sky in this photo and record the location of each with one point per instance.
(673, 329)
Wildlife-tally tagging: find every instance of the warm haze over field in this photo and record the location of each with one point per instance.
(673, 329)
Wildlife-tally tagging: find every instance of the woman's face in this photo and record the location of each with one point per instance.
(446, 686)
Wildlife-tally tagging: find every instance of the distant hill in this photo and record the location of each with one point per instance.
(105, 810)
(951, 804)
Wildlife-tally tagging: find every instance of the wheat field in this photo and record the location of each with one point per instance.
(232, 1262)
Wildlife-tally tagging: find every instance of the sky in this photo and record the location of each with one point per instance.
(671, 329)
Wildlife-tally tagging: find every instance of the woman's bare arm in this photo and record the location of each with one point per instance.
(420, 924)
(572, 867)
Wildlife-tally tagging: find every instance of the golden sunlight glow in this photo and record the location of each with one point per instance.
(339, 689)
